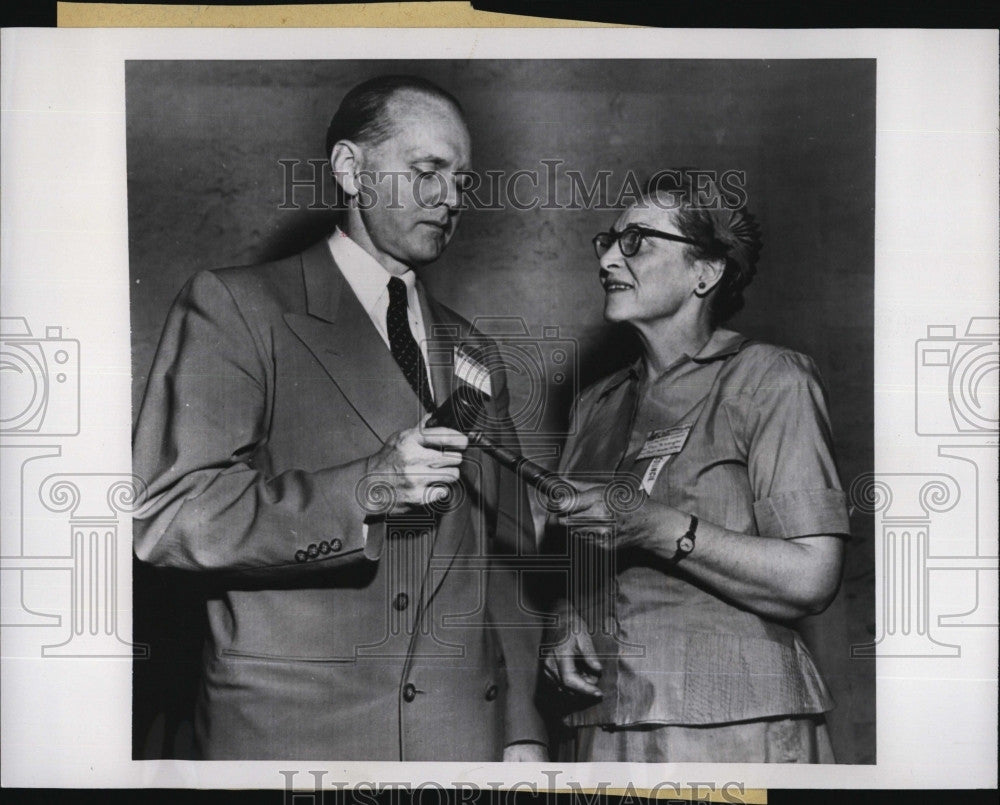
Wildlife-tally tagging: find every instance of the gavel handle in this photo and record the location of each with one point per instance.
(526, 469)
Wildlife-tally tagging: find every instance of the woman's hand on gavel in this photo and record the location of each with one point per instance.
(620, 515)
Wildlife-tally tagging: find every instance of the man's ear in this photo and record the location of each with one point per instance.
(709, 274)
(345, 161)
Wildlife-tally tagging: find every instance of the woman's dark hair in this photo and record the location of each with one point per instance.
(720, 224)
(361, 116)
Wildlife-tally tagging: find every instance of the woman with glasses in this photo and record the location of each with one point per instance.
(678, 640)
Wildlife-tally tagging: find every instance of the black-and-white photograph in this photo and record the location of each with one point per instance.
(503, 409)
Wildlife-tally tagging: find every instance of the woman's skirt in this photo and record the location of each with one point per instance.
(798, 739)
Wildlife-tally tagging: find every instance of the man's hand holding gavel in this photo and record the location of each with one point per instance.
(417, 464)
(465, 411)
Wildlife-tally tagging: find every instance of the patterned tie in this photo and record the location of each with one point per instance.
(404, 346)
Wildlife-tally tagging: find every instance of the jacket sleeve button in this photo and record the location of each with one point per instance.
(336, 545)
(324, 547)
(409, 692)
(491, 693)
(301, 556)
(312, 551)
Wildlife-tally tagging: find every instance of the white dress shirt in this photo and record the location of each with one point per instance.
(370, 282)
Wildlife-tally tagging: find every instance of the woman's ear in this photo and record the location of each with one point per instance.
(709, 274)
(345, 161)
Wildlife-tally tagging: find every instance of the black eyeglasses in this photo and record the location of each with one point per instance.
(630, 239)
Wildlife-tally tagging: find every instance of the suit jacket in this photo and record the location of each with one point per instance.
(269, 390)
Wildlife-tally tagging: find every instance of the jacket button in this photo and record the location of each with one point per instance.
(401, 602)
(312, 551)
(409, 692)
(491, 693)
(324, 547)
(336, 545)
(301, 556)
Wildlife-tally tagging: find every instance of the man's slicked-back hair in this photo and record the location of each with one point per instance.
(361, 116)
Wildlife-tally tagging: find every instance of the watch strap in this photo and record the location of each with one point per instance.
(685, 543)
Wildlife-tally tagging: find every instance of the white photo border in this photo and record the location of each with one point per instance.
(66, 721)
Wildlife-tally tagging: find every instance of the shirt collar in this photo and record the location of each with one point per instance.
(366, 276)
(721, 344)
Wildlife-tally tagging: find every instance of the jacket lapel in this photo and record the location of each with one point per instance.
(444, 336)
(339, 333)
(341, 336)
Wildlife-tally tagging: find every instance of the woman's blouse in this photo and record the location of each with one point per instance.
(744, 441)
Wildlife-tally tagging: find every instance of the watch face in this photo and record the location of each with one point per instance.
(685, 545)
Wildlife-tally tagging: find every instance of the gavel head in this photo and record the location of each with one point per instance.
(462, 411)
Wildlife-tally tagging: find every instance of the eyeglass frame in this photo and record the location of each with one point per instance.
(643, 232)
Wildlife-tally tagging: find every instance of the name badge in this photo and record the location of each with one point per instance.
(661, 446)
(667, 442)
(470, 371)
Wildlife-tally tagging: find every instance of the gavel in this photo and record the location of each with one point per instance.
(464, 411)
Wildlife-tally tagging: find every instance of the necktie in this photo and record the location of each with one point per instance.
(404, 346)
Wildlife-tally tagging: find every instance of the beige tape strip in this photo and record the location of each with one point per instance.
(349, 15)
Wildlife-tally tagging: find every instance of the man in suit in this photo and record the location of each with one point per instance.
(365, 596)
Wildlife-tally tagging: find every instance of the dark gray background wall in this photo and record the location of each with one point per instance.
(206, 189)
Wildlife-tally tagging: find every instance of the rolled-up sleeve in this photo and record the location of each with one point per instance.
(792, 470)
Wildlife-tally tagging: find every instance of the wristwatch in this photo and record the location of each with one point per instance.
(685, 543)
